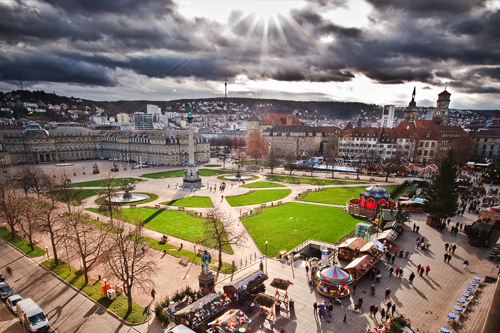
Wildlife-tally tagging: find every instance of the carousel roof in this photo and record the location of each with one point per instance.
(376, 192)
(335, 275)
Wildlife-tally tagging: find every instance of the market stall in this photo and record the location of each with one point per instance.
(231, 321)
(373, 248)
(333, 281)
(387, 236)
(204, 310)
(281, 288)
(266, 304)
(411, 206)
(359, 266)
(350, 248)
(249, 285)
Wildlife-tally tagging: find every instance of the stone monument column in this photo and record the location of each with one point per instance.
(192, 178)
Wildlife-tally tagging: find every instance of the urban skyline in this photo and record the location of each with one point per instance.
(362, 51)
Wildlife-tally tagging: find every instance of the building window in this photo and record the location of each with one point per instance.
(433, 144)
(425, 152)
(427, 144)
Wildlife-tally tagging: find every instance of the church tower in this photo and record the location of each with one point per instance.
(442, 111)
(412, 111)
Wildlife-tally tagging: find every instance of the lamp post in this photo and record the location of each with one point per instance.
(266, 257)
(104, 280)
(47, 251)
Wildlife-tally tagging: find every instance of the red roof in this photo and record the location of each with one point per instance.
(280, 119)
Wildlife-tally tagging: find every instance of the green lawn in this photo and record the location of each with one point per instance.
(84, 194)
(247, 180)
(339, 195)
(180, 173)
(256, 197)
(170, 222)
(178, 252)
(262, 184)
(191, 202)
(152, 197)
(93, 290)
(313, 181)
(287, 226)
(21, 243)
(98, 183)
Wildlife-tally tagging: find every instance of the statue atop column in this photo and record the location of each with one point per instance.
(206, 258)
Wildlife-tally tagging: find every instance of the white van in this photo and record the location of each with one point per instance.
(32, 317)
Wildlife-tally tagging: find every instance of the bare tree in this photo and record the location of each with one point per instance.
(256, 146)
(240, 157)
(30, 217)
(372, 159)
(290, 160)
(221, 231)
(10, 209)
(272, 157)
(63, 192)
(50, 219)
(32, 179)
(128, 260)
(87, 240)
(107, 194)
(330, 149)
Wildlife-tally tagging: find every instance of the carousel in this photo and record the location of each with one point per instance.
(333, 281)
(374, 196)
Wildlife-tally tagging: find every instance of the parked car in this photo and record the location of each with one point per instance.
(12, 301)
(31, 316)
(5, 291)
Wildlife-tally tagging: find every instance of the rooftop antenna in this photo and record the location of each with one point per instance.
(21, 80)
(445, 85)
(225, 86)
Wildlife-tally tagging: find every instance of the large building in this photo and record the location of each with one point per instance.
(5, 169)
(143, 121)
(388, 116)
(35, 145)
(411, 112)
(442, 112)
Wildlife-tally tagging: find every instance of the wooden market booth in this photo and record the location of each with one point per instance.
(281, 288)
(198, 314)
(249, 285)
(350, 248)
(266, 304)
(231, 321)
(359, 266)
(388, 236)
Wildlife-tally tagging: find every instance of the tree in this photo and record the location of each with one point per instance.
(10, 209)
(256, 146)
(272, 157)
(106, 196)
(330, 149)
(87, 240)
(239, 158)
(290, 160)
(50, 220)
(220, 231)
(62, 191)
(442, 195)
(372, 159)
(30, 217)
(32, 179)
(223, 157)
(128, 259)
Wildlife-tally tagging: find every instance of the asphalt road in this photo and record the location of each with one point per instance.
(66, 309)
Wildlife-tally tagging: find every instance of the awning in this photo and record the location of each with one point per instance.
(390, 235)
(359, 262)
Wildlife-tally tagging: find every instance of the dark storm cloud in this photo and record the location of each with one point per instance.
(90, 42)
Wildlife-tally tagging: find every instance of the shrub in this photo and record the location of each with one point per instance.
(179, 296)
(161, 314)
(397, 325)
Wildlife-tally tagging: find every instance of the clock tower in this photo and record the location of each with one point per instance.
(411, 111)
(442, 112)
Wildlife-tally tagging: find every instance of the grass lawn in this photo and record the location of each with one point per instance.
(313, 181)
(212, 165)
(98, 183)
(224, 179)
(177, 252)
(170, 222)
(152, 197)
(84, 194)
(180, 173)
(287, 226)
(21, 243)
(256, 197)
(339, 195)
(93, 290)
(262, 184)
(191, 202)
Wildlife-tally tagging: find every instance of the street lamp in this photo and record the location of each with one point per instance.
(104, 280)
(266, 257)
(47, 251)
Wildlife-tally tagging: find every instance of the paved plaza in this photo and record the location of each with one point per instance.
(426, 303)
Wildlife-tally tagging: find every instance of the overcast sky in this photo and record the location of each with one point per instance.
(371, 51)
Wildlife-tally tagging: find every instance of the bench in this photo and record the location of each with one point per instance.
(309, 190)
(210, 215)
(245, 214)
(262, 205)
(184, 260)
(280, 202)
(180, 208)
(133, 206)
(201, 251)
(157, 206)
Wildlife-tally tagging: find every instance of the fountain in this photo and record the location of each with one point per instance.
(128, 197)
(238, 176)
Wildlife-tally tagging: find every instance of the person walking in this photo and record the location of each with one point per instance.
(345, 318)
(449, 258)
(153, 293)
(397, 272)
(391, 270)
(372, 290)
(418, 228)
(453, 248)
(396, 251)
(371, 309)
(307, 272)
(375, 310)
(382, 313)
(407, 252)
(321, 311)
(354, 289)
(414, 226)
(389, 304)
(418, 244)
(315, 307)
(401, 273)
(330, 309)
(421, 272)
(412, 276)
(427, 270)
(418, 267)
(445, 257)
(387, 293)
(393, 258)
(446, 247)
(393, 309)
(466, 263)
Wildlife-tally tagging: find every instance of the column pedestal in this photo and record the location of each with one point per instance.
(207, 283)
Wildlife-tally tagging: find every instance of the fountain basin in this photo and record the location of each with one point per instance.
(237, 177)
(135, 197)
